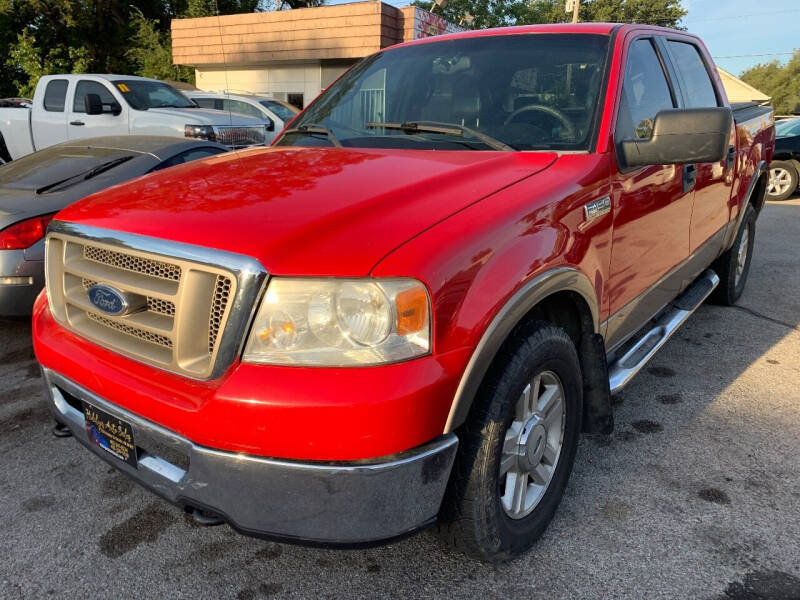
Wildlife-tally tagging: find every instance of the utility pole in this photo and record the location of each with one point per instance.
(576, 6)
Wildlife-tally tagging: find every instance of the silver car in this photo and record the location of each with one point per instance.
(35, 187)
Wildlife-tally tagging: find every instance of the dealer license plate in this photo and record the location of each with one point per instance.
(113, 435)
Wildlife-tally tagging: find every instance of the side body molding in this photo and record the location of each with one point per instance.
(560, 279)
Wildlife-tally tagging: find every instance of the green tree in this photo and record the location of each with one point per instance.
(781, 82)
(498, 13)
(151, 51)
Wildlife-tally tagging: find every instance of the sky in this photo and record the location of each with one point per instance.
(732, 29)
(769, 29)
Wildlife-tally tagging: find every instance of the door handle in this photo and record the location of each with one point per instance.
(731, 158)
(76, 123)
(689, 177)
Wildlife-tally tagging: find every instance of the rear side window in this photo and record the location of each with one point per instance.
(694, 75)
(645, 92)
(55, 95)
(90, 87)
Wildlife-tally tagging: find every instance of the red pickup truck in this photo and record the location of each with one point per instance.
(408, 309)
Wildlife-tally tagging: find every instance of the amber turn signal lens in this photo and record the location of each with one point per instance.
(412, 311)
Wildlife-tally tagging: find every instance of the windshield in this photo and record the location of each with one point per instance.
(527, 91)
(143, 94)
(284, 113)
(787, 127)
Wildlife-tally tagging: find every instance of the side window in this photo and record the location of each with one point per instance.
(645, 92)
(90, 87)
(245, 109)
(699, 89)
(188, 156)
(204, 102)
(55, 95)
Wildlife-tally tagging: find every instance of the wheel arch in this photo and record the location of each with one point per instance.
(564, 296)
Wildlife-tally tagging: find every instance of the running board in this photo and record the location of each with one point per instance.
(630, 363)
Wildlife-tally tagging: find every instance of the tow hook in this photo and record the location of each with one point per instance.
(205, 518)
(61, 431)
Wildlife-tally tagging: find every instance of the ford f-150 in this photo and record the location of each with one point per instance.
(408, 309)
(71, 107)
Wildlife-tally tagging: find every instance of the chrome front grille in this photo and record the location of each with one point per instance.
(185, 305)
(239, 137)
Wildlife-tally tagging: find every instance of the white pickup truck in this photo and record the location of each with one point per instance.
(68, 107)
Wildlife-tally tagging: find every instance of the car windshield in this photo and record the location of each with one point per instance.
(284, 113)
(787, 127)
(142, 94)
(523, 91)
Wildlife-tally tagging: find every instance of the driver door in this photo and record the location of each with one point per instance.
(652, 206)
(82, 125)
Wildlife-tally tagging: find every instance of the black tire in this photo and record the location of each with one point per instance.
(472, 518)
(730, 286)
(787, 170)
(5, 157)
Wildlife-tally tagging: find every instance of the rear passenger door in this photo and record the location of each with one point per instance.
(712, 190)
(652, 210)
(50, 119)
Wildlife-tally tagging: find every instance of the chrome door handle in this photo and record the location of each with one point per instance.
(76, 123)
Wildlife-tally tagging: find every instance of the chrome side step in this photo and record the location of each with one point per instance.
(638, 355)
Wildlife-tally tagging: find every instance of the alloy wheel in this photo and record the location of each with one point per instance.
(779, 181)
(532, 445)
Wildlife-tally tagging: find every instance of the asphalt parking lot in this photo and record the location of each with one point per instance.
(696, 495)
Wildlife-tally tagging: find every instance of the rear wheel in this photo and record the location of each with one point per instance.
(783, 180)
(734, 266)
(5, 157)
(517, 447)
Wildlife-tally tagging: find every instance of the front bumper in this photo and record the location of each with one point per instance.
(17, 298)
(330, 503)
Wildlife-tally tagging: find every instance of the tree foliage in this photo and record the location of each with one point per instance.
(781, 82)
(41, 37)
(151, 51)
(499, 13)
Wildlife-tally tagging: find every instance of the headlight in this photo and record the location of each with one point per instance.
(344, 322)
(202, 132)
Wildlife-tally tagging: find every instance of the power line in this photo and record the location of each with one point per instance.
(754, 55)
(761, 14)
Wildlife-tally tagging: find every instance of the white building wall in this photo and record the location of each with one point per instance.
(276, 80)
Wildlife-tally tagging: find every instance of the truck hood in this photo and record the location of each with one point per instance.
(206, 116)
(306, 211)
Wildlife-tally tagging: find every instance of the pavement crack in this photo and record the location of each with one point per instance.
(766, 317)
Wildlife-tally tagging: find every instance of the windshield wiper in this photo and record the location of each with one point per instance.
(445, 128)
(93, 172)
(315, 128)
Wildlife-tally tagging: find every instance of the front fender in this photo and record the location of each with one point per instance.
(489, 264)
(532, 293)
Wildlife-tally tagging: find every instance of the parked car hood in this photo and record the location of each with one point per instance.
(20, 204)
(306, 211)
(207, 116)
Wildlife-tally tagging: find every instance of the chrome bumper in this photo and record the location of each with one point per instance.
(329, 503)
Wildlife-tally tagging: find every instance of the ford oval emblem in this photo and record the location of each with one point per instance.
(108, 299)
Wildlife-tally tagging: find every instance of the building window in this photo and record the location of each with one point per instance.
(295, 99)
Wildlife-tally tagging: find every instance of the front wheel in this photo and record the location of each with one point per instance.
(783, 180)
(517, 447)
